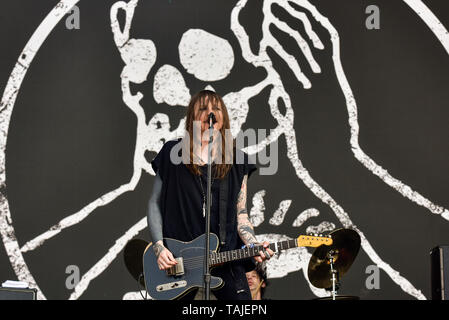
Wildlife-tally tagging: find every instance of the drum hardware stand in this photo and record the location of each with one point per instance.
(329, 263)
(334, 272)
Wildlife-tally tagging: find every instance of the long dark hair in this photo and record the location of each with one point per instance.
(203, 98)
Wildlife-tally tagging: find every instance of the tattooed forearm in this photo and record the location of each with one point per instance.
(244, 226)
(241, 199)
(242, 211)
(245, 229)
(158, 247)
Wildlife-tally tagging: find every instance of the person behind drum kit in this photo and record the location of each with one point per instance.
(177, 204)
(257, 281)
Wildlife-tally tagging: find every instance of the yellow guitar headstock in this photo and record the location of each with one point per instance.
(313, 241)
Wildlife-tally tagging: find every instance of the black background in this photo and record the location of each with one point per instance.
(71, 137)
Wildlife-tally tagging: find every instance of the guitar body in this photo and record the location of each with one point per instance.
(188, 274)
(164, 286)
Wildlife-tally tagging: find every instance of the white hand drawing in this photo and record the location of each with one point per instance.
(139, 56)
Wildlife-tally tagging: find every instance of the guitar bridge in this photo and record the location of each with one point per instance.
(171, 286)
(178, 269)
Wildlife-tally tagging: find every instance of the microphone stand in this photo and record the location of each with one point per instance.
(207, 275)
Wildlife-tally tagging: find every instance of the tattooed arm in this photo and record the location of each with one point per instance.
(165, 258)
(244, 226)
(154, 215)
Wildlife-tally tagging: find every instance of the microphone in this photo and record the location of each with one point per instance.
(212, 117)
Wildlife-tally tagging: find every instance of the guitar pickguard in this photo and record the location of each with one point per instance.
(163, 285)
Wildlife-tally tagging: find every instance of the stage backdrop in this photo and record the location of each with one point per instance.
(352, 98)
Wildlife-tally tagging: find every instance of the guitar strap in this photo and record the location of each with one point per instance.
(223, 208)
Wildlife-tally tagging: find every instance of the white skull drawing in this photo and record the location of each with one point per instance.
(210, 58)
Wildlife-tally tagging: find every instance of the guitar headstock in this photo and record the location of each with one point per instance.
(313, 241)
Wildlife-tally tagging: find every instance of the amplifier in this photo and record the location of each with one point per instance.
(17, 294)
(439, 272)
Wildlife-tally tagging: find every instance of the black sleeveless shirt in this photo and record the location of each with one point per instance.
(182, 198)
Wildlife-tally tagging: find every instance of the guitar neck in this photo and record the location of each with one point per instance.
(217, 258)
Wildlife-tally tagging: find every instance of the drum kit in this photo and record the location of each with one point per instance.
(328, 264)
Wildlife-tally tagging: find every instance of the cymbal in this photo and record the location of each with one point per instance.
(345, 246)
(133, 255)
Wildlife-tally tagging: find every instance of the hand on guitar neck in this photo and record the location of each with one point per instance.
(265, 254)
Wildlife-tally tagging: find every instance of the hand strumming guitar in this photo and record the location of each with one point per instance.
(165, 259)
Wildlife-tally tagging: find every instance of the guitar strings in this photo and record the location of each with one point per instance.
(198, 261)
(234, 253)
(232, 256)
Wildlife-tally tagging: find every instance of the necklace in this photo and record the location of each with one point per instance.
(204, 194)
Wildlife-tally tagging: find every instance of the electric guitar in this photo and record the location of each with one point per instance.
(188, 273)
